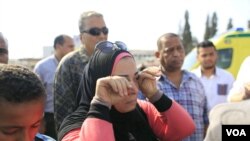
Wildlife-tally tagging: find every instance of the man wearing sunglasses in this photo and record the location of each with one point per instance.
(92, 29)
(4, 55)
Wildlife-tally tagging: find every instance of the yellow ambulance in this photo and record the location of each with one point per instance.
(233, 47)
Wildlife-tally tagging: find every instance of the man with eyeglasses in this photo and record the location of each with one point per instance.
(92, 29)
(4, 54)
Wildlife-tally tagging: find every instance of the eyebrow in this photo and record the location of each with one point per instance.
(16, 126)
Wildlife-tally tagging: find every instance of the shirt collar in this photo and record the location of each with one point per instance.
(199, 74)
(186, 76)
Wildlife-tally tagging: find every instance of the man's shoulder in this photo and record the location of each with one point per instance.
(224, 73)
(190, 75)
(72, 64)
(44, 62)
(47, 59)
(191, 78)
(79, 55)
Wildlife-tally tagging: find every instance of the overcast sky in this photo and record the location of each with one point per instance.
(31, 24)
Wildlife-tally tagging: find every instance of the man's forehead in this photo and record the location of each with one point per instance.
(170, 41)
(169, 45)
(94, 22)
(169, 38)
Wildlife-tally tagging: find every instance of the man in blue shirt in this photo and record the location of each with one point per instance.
(46, 69)
(180, 85)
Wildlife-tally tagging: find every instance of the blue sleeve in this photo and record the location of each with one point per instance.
(141, 96)
(41, 137)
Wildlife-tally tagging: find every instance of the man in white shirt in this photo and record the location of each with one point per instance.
(217, 82)
(46, 69)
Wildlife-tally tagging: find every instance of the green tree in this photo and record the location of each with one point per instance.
(230, 24)
(248, 25)
(207, 29)
(187, 35)
(213, 28)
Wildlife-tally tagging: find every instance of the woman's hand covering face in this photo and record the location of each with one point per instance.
(147, 81)
(112, 89)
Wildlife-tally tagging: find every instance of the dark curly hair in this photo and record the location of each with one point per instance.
(18, 84)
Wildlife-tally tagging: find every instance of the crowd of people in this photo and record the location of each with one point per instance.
(96, 92)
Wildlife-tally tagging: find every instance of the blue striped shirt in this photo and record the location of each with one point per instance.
(191, 95)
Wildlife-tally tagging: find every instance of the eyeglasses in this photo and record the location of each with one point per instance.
(95, 31)
(107, 46)
(3, 51)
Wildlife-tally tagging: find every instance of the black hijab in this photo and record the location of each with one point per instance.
(101, 65)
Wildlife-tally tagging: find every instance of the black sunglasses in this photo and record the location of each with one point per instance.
(107, 46)
(3, 51)
(95, 31)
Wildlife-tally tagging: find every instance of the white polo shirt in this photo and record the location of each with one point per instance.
(216, 86)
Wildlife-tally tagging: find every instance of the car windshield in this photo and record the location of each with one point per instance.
(224, 59)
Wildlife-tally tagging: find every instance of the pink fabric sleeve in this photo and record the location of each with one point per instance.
(72, 135)
(93, 129)
(171, 125)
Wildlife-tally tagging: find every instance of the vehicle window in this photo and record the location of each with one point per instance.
(224, 58)
(190, 60)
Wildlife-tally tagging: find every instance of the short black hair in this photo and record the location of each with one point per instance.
(19, 84)
(205, 44)
(59, 40)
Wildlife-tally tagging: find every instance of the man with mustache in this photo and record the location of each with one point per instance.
(181, 85)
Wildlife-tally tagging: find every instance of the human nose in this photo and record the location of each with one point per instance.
(134, 88)
(176, 52)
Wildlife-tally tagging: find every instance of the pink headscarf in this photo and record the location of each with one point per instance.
(119, 57)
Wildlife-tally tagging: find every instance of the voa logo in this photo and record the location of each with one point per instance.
(236, 132)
